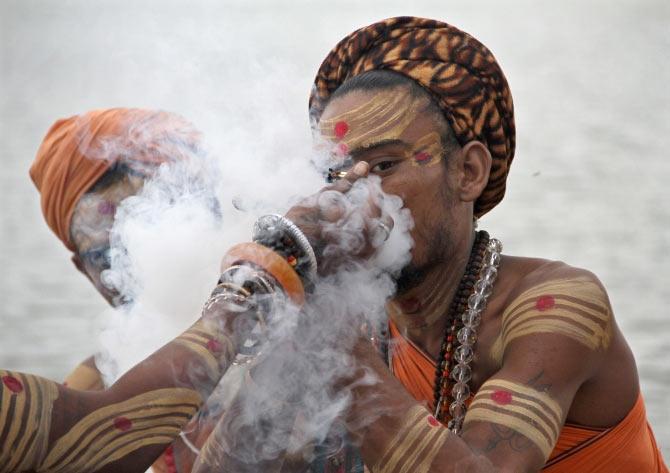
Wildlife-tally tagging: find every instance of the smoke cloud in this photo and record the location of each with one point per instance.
(167, 242)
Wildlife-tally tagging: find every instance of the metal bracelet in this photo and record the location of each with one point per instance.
(265, 223)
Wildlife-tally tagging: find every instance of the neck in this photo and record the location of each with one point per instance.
(421, 311)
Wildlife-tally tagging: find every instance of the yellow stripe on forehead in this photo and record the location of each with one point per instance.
(531, 413)
(384, 117)
(576, 308)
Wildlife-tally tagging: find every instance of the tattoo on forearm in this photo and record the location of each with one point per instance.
(576, 308)
(415, 446)
(518, 408)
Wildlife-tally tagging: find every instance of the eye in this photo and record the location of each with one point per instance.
(382, 166)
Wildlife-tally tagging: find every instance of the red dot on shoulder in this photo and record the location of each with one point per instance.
(501, 397)
(123, 424)
(545, 302)
(341, 129)
(13, 384)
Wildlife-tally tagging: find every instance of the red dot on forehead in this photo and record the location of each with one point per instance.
(342, 149)
(123, 423)
(501, 397)
(341, 129)
(545, 302)
(13, 384)
(106, 208)
(433, 421)
(422, 156)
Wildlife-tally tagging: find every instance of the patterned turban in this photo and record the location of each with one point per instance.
(458, 71)
(77, 151)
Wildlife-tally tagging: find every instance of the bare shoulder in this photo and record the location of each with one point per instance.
(536, 275)
(553, 298)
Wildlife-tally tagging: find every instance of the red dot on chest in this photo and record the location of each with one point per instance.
(545, 302)
(13, 384)
(501, 397)
(123, 424)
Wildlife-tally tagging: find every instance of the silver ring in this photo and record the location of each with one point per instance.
(387, 230)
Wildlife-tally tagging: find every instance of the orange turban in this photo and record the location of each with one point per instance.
(78, 150)
(458, 71)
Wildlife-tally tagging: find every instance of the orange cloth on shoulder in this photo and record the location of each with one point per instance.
(628, 447)
(78, 150)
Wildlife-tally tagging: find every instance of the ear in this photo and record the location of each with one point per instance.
(475, 168)
(79, 264)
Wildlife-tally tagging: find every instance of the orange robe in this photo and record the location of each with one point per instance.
(628, 447)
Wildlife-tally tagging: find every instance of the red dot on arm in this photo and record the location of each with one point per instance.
(123, 424)
(501, 397)
(432, 421)
(214, 346)
(545, 302)
(13, 384)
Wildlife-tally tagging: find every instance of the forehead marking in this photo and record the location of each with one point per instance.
(341, 128)
(384, 116)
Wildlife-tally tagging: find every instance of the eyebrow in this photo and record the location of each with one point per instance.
(355, 154)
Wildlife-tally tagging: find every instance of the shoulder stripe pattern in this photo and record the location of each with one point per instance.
(576, 308)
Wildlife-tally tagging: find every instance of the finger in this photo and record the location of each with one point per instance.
(360, 170)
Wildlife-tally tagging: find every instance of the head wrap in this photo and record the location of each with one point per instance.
(458, 71)
(78, 150)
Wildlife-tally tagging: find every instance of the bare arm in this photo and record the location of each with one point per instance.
(45, 426)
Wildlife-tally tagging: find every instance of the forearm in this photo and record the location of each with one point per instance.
(397, 434)
(44, 426)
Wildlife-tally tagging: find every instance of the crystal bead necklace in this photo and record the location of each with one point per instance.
(453, 371)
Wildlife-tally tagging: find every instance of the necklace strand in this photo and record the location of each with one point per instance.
(453, 372)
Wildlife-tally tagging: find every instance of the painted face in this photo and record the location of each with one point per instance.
(91, 224)
(401, 142)
(385, 118)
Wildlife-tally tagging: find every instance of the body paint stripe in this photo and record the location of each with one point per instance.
(169, 399)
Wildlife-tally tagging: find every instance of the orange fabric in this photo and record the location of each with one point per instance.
(78, 150)
(627, 447)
